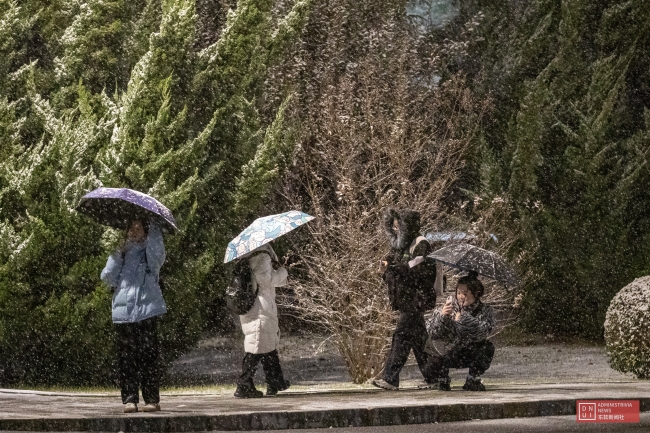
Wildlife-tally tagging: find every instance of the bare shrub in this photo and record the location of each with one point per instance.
(373, 136)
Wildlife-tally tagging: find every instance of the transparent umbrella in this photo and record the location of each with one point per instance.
(474, 259)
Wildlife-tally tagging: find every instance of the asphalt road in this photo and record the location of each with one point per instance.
(550, 424)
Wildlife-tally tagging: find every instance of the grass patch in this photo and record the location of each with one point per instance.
(229, 389)
(66, 389)
(515, 336)
(225, 389)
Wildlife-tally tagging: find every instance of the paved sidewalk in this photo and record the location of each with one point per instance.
(313, 360)
(523, 381)
(35, 411)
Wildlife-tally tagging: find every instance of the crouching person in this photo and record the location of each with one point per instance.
(467, 322)
(260, 325)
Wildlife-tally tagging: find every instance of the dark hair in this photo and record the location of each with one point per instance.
(143, 221)
(473, 284)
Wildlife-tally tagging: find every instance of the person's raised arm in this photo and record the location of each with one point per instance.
(265, 274)
(439, 285)
(111, 273)
(422, 270)
(155, 248)
(440, 326)
(476, 328)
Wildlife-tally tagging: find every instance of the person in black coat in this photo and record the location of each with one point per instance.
(409, 277)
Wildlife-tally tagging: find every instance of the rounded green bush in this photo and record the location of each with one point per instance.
(626, 329)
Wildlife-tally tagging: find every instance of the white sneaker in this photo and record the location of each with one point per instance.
(151, 407)
(130, 408)
(426, 385)
(381, 383)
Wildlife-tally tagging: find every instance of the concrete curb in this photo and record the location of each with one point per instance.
(379, 416)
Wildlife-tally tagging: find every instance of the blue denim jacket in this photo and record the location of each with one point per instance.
(134, 277)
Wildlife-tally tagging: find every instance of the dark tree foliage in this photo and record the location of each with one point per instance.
(139, 94)
(567, 144)
(200, 103)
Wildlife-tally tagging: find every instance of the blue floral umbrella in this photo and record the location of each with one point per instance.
(116, 206)
(264, 230)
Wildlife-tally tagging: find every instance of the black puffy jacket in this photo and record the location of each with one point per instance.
(410, 275)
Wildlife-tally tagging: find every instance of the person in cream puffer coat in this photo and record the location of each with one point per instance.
(260, 325)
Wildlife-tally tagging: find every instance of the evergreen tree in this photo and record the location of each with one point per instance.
(180, 124)
(54, 314)
(568, 83)
(103, 43)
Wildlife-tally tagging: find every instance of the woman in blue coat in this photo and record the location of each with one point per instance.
(133, 272)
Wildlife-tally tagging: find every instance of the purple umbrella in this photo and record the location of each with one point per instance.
(115, 207)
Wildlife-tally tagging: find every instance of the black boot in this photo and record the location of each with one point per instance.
(245, 385)
(271, 390)
(248, 392)
(473, 384)
(444, 383)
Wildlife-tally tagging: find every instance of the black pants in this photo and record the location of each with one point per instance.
(270, 365)
(476, 356)
(410, 334)
(138, 352)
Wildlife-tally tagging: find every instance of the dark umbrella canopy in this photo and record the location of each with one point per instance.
(474, 259)
(115, 207)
